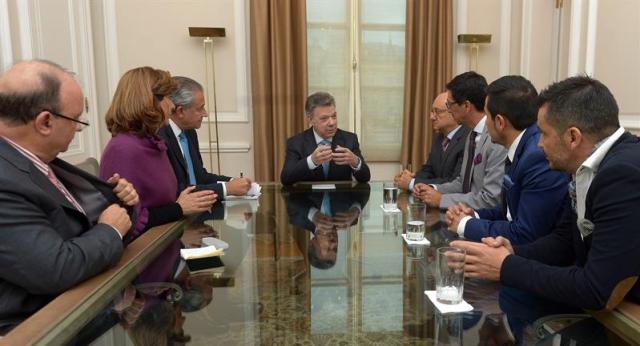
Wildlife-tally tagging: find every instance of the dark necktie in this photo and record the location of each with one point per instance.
(471, 149)
(507, 168)
(445, 143)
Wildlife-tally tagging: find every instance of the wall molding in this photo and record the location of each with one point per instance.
(592, 31)
(630, 121)
(525, 42)
(24, 24)
(575, 37)
(6, 50)
(241, 115)
(226, 147)
(505, 38)
(461, 9)
(112, 59)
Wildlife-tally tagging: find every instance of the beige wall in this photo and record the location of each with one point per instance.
(155, 33)
(599, 38)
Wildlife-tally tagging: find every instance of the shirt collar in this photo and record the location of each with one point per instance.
(40, 165)
(318, 138)
(479, 128)
(514, 146)
(453, 132)
(601, 150)
(174, 127)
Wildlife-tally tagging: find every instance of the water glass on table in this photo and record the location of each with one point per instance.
(416, 217)
(449, 274)
(389, 196)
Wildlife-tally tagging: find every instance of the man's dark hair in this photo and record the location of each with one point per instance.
(582, 102)
(469, 86)
(318, 99)
(22, 107)
(515, 98)
(317, 262)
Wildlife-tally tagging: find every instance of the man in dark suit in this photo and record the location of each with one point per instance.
(447, 150)
(594, 246)
(183, 148)
(533, 194)
(58, 224)
(323, 213)
(323, 152)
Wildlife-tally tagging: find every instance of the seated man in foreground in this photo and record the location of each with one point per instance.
(595, 244)
(533, 194)
(447, 149)
(58, 225)
(323, 152)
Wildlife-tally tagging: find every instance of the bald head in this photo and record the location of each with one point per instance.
(443, 121)
(31, 86)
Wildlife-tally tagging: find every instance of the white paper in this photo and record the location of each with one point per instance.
(200, 252)
(396, 210)
(323, 186)
(253, 193)
(463, 306)
(424, 241)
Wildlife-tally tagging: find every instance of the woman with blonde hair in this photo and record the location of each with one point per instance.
(140, 107)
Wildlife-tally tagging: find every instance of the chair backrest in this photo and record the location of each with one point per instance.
(90, 165)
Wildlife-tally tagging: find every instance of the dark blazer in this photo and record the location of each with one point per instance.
(562, 266)
(204, 179)
(443, 166)
(300, 146)
(535, 195)
(46, 245)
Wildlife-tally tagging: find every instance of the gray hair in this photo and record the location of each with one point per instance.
(318, 99)
(20, 107)
(183, 95)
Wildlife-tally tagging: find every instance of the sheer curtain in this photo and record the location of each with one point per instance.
(356, 52)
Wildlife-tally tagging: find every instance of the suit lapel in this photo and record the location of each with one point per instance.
(174, 146)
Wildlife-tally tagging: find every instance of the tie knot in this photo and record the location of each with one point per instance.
(182, 135)
(325, 142)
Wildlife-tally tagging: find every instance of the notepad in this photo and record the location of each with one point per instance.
(201, 252)
(323, 186)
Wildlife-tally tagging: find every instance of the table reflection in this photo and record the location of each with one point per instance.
(312, 267)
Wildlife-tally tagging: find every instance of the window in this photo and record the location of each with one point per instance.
(356, 52)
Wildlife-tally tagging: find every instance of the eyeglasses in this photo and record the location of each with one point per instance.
(438, 111)
(448, 103)
(79, 123)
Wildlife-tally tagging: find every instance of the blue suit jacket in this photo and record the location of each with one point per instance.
(583, 272)
(535, 195)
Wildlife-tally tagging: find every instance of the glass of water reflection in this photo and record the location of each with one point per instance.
(416, 217)
(389, 197)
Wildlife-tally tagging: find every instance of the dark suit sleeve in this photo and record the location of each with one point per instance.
(202, 176)
(614, 205)
(295, 166)
(542, 193)
(427, 172)
(34, 255)
(362, 175)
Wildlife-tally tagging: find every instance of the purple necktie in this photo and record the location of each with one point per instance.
(471, 149)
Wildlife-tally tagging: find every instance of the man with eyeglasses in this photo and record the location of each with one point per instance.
(447, 150)
(182, 143)
(480, 180)
(58, 224)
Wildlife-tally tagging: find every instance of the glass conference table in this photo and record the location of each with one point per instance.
(310, 267)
